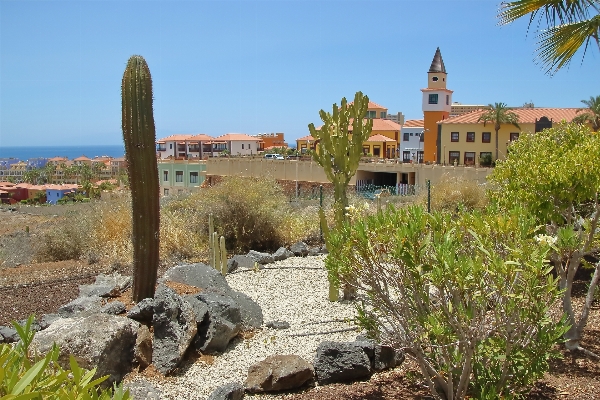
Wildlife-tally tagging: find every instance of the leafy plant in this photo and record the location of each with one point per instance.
(553, 175)
(467, 296)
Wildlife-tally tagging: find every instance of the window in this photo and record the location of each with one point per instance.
(514, 136)
(171, 146)
(485, 158)
(411, 133)
(454, 136)
(447, 99)
(371, 114)
(470, 136)
(165, 176)
(406, 156)
(435, 79)
(454, 156)
(178, 176)
(242, 146)
(420, 156)
(383, 114)
(366, 150)
(469, 158)
(422, 135)
(406, 136)
(193, 177)
(166, 192)
(376, 151)
(433, 98)
(486, 137)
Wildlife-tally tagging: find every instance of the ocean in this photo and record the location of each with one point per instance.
(26, 152)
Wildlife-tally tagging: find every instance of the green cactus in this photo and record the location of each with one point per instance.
(216, 261)
(223, 256)
(139, 135)
(339, 146)
(211, 245)
(339, 149)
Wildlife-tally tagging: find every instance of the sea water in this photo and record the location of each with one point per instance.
(71, 152)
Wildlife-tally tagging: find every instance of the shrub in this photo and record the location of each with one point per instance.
(66, 241)
(455, 193)
(29, 376)
(467, 296)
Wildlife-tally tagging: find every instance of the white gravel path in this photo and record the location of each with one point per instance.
(293, 290)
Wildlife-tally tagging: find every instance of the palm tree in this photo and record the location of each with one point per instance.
(498, 114)
(592, 114)
(571, 25)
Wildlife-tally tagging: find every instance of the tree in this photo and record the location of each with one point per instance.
(498, 114)
(571, 25)
(32, 176)
(592, 113)
(554, 175)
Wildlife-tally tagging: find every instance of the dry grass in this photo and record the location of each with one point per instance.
(455, 193)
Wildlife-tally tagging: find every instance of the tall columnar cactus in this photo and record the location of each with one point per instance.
(211, 245)
(223, 257)
(139, 135)
(339, 148)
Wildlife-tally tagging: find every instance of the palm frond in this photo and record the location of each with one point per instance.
(559, 44)
(555, 12)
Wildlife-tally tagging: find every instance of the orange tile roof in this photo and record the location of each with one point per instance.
(413, 123)
(201, 137)
(7, 184)
(371, 105)
(526, 115)
(58, 159)
(379, 138)
(309, 137)
(237, 136)
(385, 125)
(175, 138)
(82, 158)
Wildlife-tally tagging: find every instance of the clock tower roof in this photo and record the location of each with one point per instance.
(437, 65)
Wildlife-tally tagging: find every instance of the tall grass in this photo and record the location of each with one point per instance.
(250, 213)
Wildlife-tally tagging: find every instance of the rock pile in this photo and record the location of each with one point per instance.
(101, 333)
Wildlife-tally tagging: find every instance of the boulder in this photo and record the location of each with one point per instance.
(278, 372)
(341, 362)
(81, 306)
(252, 315)
(142, 311)
(142, 389)
(142, 352)
(174, 323)
(222, 322)
(200, 275)
(241, 262)
(282, 253)
(382, 356)
(8, 334)
(101, 341)
(300, 249)
(106, 286)
(229, 391)
(113, 308)
(47, 320)
(261, 258)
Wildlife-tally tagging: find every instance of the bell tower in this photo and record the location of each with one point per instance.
(437, 102)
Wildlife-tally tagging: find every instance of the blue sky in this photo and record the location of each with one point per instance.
(257, 66)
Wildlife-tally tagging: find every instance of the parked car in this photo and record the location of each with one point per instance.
(273, 156)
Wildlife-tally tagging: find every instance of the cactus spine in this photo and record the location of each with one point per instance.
(139, 136)
(339, 148)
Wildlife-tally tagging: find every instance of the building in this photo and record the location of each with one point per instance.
(436, 105)
(459, 109)
(411, 141)
(466, 141)
(185, 146)
(271, 140)
(238, 144)
(180, 176)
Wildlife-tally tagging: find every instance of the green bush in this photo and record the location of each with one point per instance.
(24, 375)
(466, 295)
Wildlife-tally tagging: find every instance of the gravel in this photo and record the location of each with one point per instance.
(293, 290)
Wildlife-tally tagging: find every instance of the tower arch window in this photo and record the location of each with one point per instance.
(433, 98)
(435, 79)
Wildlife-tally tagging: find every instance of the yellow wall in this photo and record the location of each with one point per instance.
(369, 147)
(430, 125)
(477, 146)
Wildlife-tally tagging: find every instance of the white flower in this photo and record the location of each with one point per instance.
(546, 239)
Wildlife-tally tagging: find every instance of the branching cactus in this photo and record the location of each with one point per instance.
(339, 148)
(139, 135)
